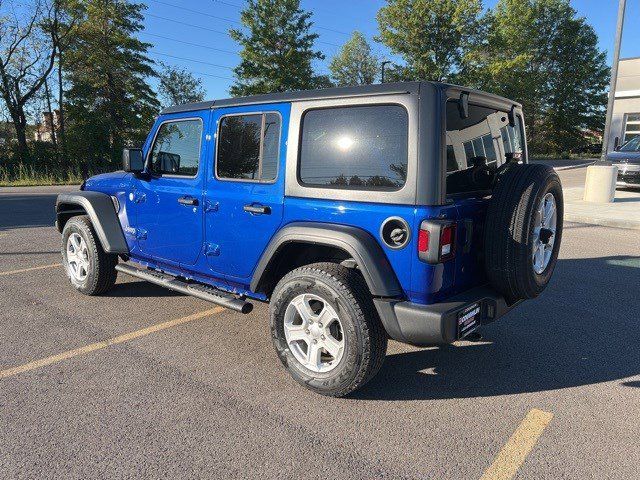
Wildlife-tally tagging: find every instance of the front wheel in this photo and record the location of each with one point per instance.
(89, 268)
(326, 329)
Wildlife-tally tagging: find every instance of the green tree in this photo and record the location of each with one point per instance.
(355, 64)
(432, 36)
(540, 53)
(109, 102)
(28, 46)
(178, 86)
(277, 51)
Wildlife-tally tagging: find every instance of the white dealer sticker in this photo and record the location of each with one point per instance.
(468, 320)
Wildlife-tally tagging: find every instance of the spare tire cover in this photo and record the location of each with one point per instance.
(523, 230)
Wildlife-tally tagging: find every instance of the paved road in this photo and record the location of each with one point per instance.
(574, 177)
(207, 398)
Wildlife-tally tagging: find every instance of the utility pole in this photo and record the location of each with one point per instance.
(614, 79)
(386, 62)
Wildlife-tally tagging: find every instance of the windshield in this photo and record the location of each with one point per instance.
(632, 145)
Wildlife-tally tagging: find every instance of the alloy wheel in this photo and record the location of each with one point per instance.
(314, 333)
(544, 233)
(77, 257)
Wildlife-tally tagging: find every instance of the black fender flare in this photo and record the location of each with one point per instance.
(101, 211)
(361, 245)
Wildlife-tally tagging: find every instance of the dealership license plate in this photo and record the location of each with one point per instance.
(469, 320)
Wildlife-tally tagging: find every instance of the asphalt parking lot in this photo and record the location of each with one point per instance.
(142, 383)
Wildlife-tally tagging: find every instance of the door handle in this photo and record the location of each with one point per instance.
(257, 209)
(188, 201)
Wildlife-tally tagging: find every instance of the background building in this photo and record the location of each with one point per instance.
(48, 127)
(625, 123)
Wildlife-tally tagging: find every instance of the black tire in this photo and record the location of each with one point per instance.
(101, 273)
(509, 225)
(365, 338)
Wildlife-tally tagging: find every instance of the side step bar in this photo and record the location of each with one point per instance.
(198, 290)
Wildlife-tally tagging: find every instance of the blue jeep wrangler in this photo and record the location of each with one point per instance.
(404, 211)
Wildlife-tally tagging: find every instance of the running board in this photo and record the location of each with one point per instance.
(199, 290)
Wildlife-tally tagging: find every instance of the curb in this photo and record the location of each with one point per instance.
(604, 222)
(573, 167)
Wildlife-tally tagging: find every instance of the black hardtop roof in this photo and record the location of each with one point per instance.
(325, 93)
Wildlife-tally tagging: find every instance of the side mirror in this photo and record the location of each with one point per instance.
(132, 160)
(616, 144)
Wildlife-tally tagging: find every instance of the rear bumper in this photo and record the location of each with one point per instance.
(438, 323)
(622, 183)
(628, 178)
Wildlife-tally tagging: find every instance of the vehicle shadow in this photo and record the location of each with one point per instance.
(582, 330)
(141, 289)
(27, 211)
(626, 199)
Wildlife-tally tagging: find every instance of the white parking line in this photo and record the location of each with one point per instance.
(43, 362)
(31, 269)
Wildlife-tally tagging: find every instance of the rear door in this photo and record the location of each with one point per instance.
(245, 190)
(484, 137)
(168, 202)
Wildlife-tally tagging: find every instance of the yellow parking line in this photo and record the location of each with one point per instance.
(515, 451)
(23, 270)
(43, 362)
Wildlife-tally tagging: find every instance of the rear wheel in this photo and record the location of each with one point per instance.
(325, 328)
(89, 268)
(523, 230)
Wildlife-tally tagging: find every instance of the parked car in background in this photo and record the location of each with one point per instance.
(627, 158)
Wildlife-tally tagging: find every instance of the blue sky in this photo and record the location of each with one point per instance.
(205, 49)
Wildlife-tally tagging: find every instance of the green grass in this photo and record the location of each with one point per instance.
(27, 176)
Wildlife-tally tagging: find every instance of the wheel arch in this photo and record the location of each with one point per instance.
(99, 207)
(320, 242)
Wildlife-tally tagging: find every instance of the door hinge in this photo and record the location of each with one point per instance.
(468, 235)
(210, 206)
(141, 234)
(211, 249)
(137, 197)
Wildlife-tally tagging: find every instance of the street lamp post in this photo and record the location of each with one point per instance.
(600, 183)
(614, 79)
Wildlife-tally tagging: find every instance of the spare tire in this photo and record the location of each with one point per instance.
(523, 230)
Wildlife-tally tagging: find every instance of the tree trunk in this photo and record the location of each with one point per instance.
(63, 138)
(54, 134)
(20, 124)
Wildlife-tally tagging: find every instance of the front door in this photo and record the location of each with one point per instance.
(168, 201)
(245, 192)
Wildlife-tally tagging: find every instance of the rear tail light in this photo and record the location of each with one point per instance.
(423, 241)
(448, 242)
(437, 241)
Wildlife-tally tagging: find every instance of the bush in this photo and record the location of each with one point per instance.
(45, 167)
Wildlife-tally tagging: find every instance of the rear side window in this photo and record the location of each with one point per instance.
(364, 147)
(485, 137)
(249, 147)
(176, 149)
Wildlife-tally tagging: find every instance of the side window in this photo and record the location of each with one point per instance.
(271, 146)
(476, 138)
(248, 147)
(176, 149)
(364, 147)
(512, 138)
